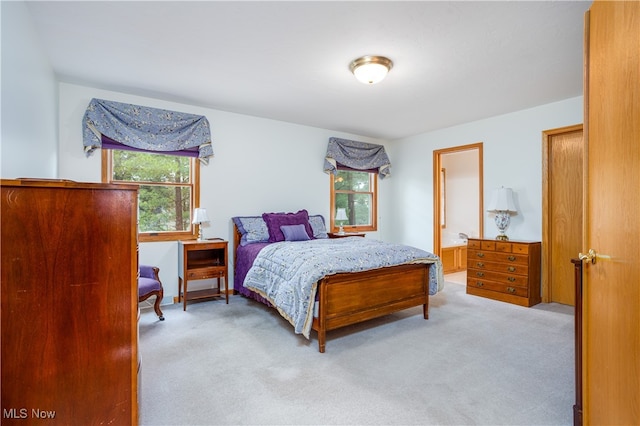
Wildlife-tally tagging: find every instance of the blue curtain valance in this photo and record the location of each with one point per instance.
(356, 155)
(145, 128)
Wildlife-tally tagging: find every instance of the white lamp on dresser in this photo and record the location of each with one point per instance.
(503, 206)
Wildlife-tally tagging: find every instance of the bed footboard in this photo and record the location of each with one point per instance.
(346, 299)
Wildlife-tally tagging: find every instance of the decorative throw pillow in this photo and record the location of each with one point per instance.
(275, 220)
(318, 227)
(294, 233)
(253, 229)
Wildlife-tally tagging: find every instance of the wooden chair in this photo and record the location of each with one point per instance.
(149, 284)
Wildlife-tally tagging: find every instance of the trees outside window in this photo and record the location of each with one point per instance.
(356, 192)
(169, 188)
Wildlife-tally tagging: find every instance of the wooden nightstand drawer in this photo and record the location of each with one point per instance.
(205, 273)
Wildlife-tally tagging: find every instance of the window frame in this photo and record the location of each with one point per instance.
(373, 227)
(194, 166)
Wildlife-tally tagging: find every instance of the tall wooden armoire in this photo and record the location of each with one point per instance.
(69, 303)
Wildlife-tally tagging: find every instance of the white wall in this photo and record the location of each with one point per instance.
(259, 165)
(512, 146)
(29, 99)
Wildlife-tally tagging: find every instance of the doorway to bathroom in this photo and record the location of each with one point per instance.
(457, 203)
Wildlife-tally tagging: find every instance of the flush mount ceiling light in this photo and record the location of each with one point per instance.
(371, 69)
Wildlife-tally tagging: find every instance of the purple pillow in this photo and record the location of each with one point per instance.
(275, 220)
(294, 233)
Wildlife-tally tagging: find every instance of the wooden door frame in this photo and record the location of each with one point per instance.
(437, 184)
(547, 137)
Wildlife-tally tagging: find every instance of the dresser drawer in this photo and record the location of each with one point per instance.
(492, 256)
(507, 268)
(205, 273)
(499, 246)
(497, 287)
(488, 245)
(520, 248)
(507, 279)
(474, 244)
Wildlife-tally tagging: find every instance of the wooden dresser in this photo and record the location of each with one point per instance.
(69, 303)
(508, 271)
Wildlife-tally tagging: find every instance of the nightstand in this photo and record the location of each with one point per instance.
(201, 260)
(346, 234)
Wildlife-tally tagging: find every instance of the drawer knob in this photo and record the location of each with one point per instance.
(480, 264)
(511, 290)
(480, 274)
(511, 269)
(480, 254)
(511, 258)
(511, 279)
(479, 283)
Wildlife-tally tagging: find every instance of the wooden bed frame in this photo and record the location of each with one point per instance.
(350, 298)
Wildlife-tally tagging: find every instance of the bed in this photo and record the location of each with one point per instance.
(328, 292)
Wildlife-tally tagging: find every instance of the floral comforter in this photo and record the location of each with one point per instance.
(287, 273)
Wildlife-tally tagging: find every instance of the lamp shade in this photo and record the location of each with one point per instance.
(341, 214)
(200, 216)
(371, 69)
(502, 201)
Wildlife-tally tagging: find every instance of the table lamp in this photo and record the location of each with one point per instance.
(200, 217)
(503, 206)
(341, 215)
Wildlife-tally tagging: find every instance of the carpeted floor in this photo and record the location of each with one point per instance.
(474, 362)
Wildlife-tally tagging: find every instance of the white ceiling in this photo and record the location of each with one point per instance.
(454, 62)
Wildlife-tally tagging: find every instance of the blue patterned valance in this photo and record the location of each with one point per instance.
(356, 155)
(146, 129)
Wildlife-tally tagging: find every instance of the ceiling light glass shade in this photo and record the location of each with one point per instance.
(371, 69)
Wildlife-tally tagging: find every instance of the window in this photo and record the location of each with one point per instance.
(169, 190)
(356, 192)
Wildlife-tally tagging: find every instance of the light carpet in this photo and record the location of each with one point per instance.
(476, 361)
